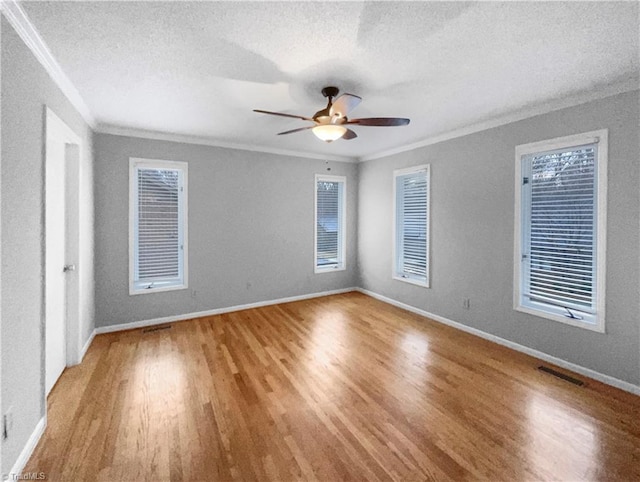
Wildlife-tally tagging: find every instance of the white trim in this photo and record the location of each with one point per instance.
(601, 138)
(218, 311)
(1, 322)
(86, 346)
(426, 168)
(18, 18)
(342, 264)
(28, 449)
(171, 287)
(209, 141)
(56, 129)
(55, 125)
(411, 281)
(135, 162)
(616, 88)
(541, 313)
(591, 137)
(601, 377)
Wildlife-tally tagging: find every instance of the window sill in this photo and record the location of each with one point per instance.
(329, 269)
(145, 291)
(598, 327)
(413, 281)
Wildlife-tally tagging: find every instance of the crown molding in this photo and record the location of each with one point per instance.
(19, 20)
(584, 97)
(208, 141)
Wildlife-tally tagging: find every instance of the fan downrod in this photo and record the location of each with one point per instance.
(330, 91)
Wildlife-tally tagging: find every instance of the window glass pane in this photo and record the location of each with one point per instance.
(412, 225)
(158, 225)
(561, 228)
(329, 223)
(158, 239)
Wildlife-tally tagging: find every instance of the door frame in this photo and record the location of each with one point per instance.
(57, 130)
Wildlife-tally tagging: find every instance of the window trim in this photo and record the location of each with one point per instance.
(394, 263)
(135, 162)
(342, 264)
(601, 137)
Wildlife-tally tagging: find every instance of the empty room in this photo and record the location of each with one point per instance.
(320, 240)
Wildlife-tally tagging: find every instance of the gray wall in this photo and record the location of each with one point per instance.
(240, 201)
(26, 89)
(251, 227)
(472, 234)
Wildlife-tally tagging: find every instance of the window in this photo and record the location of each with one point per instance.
(330, 222)
(411, 225)
(560, 229)
(158, 226)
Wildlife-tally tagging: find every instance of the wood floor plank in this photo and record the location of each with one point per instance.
(336, 388)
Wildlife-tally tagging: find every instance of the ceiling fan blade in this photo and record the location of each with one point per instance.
(345, 104)
(295, 130)
(349, 135)
(282, 114)
(380, 121)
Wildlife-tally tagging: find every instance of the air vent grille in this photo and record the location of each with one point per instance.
(156, 328)
(561, 375)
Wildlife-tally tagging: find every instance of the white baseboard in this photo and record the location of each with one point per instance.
(28, 449)
(217, 311)
(609, 380)
(86, 346)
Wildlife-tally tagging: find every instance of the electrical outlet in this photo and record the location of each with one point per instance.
(466, 303)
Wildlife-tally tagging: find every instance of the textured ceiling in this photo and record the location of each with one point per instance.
(199, 68)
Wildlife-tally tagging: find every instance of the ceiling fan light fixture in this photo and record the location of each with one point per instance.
(329, 132)
(329, 124)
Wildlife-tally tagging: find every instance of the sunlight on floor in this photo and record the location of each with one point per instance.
(551, 425)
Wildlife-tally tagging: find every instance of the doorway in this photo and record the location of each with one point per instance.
(62, 163)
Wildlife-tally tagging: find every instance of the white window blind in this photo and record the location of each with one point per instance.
(330, 207)
(559, 251)
(412, 225)
(158, 225)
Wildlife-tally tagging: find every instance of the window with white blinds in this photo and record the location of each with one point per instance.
(158, 226)
(330, 223)
(561, 222)
(411, 198)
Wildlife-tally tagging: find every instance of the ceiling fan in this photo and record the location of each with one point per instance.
(331, 122)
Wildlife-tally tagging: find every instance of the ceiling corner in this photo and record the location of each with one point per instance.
(19, 20)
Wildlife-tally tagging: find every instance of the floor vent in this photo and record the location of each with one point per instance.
(558, 374)
(156, 328)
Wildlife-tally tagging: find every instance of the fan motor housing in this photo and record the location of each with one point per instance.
(330, 91)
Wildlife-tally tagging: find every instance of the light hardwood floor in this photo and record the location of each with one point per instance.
(337, 388)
